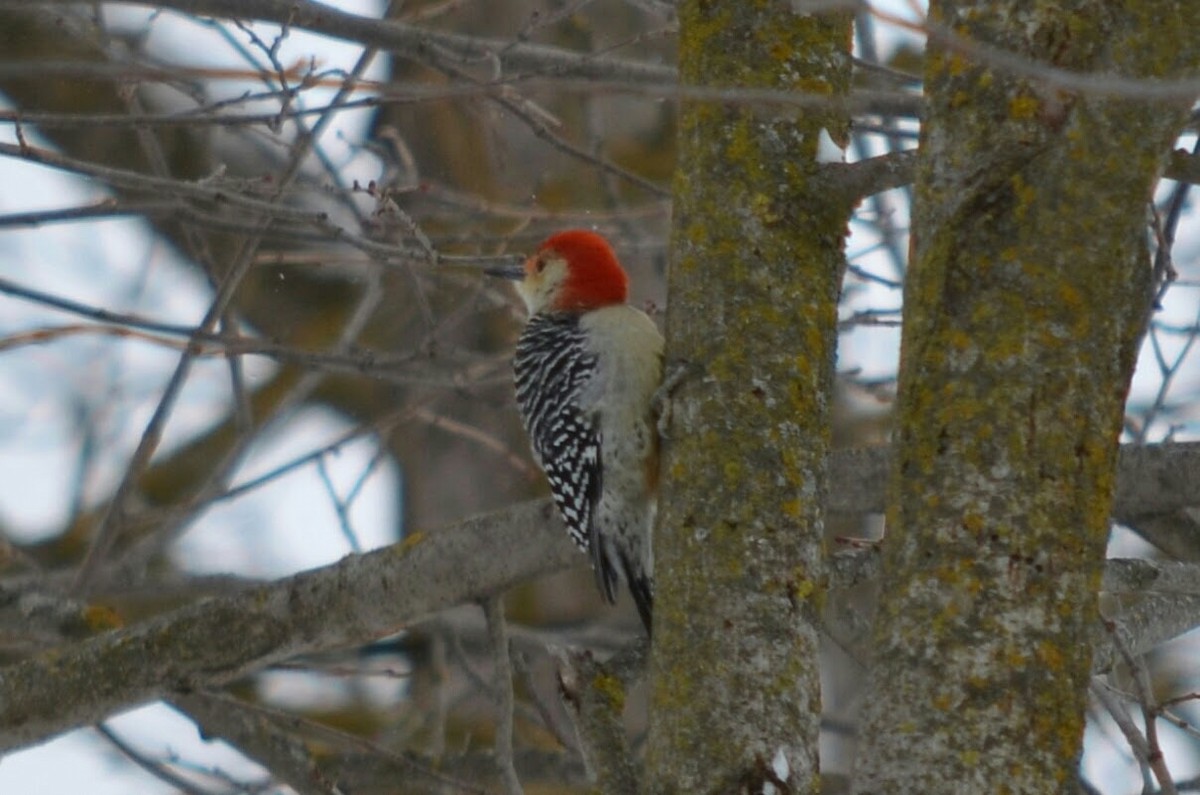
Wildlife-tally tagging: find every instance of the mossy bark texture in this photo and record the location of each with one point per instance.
(757, 248)
(1023, 311)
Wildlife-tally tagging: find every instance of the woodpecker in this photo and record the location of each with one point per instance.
(586, 368)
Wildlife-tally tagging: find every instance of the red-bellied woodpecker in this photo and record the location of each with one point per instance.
(587, 367)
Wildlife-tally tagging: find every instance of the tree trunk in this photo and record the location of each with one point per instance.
(757, 249)
(1025, 304)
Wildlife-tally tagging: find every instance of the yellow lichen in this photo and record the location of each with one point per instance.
(1023, 107)
(611, 689)
(410, 540)
(99, 618)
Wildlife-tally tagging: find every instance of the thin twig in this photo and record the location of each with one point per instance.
(1145, 697)
(493, 611)
(157, 769)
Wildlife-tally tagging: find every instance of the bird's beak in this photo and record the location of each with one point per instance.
(514, 272)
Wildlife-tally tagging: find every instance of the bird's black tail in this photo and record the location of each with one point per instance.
(642, 591)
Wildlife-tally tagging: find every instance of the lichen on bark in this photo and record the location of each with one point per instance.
(1024, 307)
(757, 249)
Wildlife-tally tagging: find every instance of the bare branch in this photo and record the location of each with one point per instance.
(596, 699)
(884, 172)
(283, 753)
(351, 602)
(420, 44)
(155, 768)
(493, 611)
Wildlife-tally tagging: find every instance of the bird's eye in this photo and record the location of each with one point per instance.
(539, 264)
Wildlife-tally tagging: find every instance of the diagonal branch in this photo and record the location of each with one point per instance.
(283, 753)
(360, 598)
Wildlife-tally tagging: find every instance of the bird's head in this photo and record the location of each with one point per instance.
(572, 271)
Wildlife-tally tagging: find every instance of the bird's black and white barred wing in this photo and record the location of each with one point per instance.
(551, 367)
